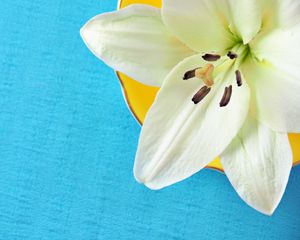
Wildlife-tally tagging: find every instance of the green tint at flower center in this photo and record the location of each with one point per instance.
(217, 69)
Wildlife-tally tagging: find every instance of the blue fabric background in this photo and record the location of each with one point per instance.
(67, 144)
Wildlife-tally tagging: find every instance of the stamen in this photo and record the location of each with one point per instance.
(232, 55)
(201, 94)
(205, 74)
(211, 57)
(189, 74)
(238, 78)
(226, 96)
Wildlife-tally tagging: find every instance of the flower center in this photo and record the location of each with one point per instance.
(207, 72)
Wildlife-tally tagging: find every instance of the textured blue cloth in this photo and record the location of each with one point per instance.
(67, 145)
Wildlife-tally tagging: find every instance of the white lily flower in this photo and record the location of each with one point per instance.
(230, 82)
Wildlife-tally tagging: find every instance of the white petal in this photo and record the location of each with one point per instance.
(179, 138)
(289, 13)
(258, 164)
(213, 25)
(249, 18)
(135, 41)
(275, 100)
(246, 17)
(281, 48)
(198, 23)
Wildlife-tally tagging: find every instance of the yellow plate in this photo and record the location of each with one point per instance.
(139, 97)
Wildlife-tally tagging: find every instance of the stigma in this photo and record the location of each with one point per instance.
(204, 73)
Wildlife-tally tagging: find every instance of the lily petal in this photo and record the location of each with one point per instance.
(289, 13)
(198, 23)
(246, 18)
(213, 25)
(258, 164)
(179, 138)
(135, 41)
(275, 96)
(281, 48)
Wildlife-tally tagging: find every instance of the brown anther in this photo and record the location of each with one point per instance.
(211, 57)
(205, 74)
(189, 74)
(201, 94)
(232, 55)
(238, 76)
(226, 96)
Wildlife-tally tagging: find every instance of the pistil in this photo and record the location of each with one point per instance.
(205, 74)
